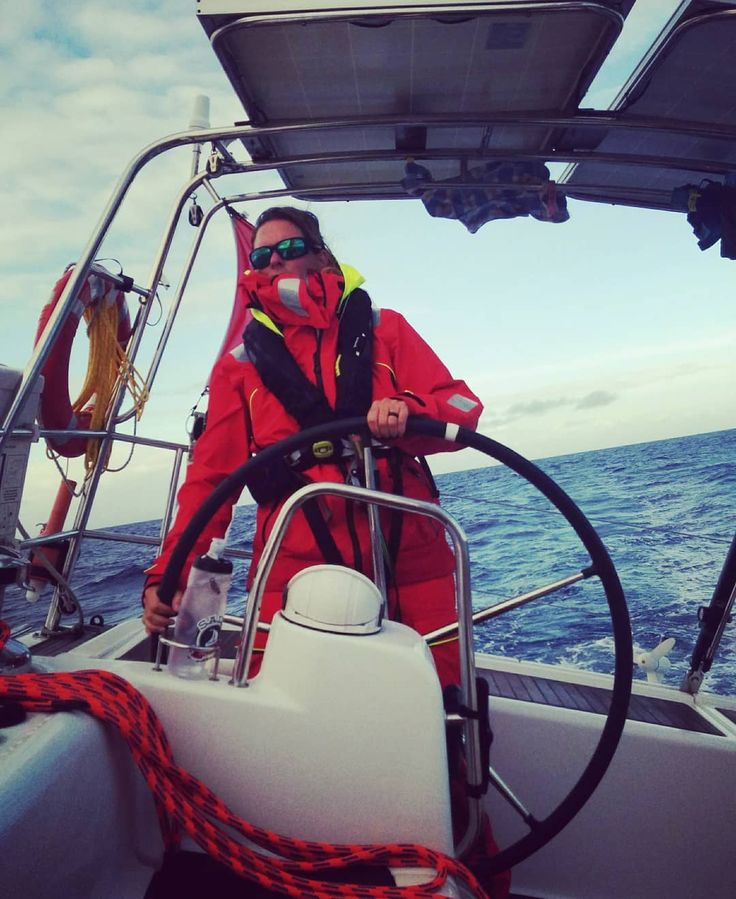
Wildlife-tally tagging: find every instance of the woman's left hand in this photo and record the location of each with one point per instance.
(387, 418)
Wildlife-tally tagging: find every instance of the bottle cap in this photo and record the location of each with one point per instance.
(213, 559)
(217, 547)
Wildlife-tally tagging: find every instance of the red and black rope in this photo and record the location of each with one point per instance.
(185, 804)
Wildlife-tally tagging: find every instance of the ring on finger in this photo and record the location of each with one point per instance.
(393, 414)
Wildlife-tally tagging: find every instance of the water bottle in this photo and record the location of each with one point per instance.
(199, 619)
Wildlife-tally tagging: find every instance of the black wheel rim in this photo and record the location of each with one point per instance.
(603, 567)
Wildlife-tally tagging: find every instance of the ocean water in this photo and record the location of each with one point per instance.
(665, 511)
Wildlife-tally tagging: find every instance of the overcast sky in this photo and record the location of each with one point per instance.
(611, 328)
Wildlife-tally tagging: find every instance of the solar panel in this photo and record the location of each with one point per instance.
(447, 81)
(686, 90)
(350, 93)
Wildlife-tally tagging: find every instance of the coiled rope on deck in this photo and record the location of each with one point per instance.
(184, 803)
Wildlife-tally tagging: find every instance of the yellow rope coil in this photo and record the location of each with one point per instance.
(108, 367)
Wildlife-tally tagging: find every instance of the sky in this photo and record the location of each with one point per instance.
(609, 329)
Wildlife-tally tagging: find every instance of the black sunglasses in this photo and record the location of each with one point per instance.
(290, 248)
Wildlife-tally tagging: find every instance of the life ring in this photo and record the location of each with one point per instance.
(57, 412)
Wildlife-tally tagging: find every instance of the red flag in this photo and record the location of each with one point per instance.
(243, 233)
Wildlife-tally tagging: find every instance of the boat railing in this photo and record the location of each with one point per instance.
(113, 537)
(222, 138)
(63, 598)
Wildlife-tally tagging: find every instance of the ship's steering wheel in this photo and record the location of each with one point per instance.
(544, 830)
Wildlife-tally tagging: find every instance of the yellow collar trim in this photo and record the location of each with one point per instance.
(353, 278)
(260, 316)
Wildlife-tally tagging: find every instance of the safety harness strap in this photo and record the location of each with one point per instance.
(281, 375)
(322, 534)
(307, 404)
(355, 356)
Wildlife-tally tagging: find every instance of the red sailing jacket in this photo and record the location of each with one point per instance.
(244, 417)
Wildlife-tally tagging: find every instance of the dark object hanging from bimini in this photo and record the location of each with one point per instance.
(711, 210)
(524, 188)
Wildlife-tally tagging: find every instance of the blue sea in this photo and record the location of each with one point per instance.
(665, 511)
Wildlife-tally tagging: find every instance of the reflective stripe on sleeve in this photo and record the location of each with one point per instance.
(463, 403)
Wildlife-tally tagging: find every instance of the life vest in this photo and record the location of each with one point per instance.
(304, 401)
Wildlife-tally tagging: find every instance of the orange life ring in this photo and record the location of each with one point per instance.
(56, 410)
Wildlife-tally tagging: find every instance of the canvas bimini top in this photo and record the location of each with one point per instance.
(457, 85)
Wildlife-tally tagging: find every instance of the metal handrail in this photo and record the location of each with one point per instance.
(182, 139)
(113, 537)
(463, 602)
(136, 439)
(513, 602)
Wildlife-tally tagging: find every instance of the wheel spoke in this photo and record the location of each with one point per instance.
(522, 599)
(513, 800)
(514, 602)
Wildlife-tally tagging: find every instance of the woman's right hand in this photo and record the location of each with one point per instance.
(157, 616)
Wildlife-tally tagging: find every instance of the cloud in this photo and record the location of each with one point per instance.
(596, 398)
(535, 408)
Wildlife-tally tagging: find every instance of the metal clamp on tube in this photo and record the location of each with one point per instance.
(205, 652)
